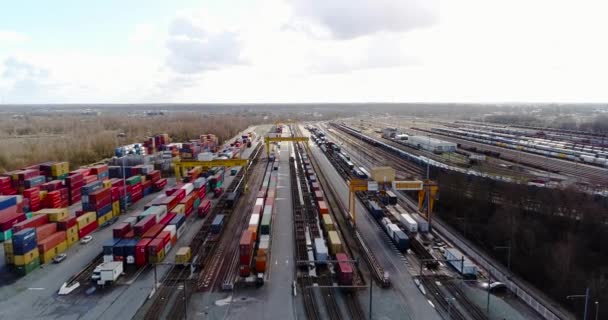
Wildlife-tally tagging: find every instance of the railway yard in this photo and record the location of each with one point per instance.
(316, 220)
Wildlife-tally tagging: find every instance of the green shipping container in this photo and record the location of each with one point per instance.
(29, 215)
(197, 202)
(133, 180)
(6, 235)
(265, 225)
(219, 184)
(26, 269)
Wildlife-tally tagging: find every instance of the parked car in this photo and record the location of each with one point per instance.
(86, 239)
(59, 258)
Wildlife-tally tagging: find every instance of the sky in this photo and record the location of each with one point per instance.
(273, 51)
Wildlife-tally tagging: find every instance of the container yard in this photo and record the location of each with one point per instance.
(176, 226)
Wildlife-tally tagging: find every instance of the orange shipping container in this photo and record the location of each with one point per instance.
(52, 241)
(260, 264)
(44, 231)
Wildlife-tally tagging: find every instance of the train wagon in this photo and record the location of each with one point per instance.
(375, 210)
(344, 270)
(204, 207)
(392, 197)
(217, 224)
(335, 245)
(461, 263)
(232, 198)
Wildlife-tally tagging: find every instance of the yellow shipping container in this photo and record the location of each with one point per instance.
(116, 208)
(21, 260)
(49, 255)
(103, 219)
(72, 230)
(180, 208)
(43, 194)
(85, 219)
(328, 224)
(106, 184)
(55, 214)
(335, 245)
(158, 258)
(60, 168)
(72, 239)
(183, 255)
(9, 258)
(8, 246)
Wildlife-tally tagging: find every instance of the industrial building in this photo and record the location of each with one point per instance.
(431, 144)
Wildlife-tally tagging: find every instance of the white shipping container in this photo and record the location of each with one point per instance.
(189, 187)
(321, 250)
(423, 225)
(259, 201)
(391, 228)
(385, 221)
(199, 182)
(410, 224)
(254, 220)
(463, 266)
(172, 229)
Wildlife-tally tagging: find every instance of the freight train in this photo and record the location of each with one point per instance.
(543, 147)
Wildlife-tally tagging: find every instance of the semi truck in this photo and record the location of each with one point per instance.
(107, 272)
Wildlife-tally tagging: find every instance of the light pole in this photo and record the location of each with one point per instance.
(586, 296)
(597, 309)
(508, 248)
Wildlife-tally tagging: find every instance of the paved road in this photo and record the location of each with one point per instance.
(409, 303)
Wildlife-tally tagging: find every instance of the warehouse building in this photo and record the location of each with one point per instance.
(431, 144)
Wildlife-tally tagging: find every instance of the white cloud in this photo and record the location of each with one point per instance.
(347, 19)
(196, 46)
(143, 32)
(12, 37)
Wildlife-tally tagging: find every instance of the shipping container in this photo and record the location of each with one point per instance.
(408, 222)
(335, 245)
(323, 208)
(321, 252)
(183, 255)
(460, 262)
(141, 253)
(217, 224)
(344, 270)
(401, 240)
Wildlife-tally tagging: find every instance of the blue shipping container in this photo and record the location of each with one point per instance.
(217, 224)
(108, 246)
(401, 240)
(104, 210)
(375, 210)
(178, 221)
(24, 241)
(91, 187)
(7, 202)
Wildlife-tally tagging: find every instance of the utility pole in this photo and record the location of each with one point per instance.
(586, 297)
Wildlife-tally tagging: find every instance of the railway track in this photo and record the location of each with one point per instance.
(409, 169)
(591, 173)
(471, 308)
(202, 245)
(439, 297)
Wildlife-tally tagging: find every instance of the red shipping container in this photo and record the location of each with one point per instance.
(154, 246)
(129, 235)
(66, 223)
(88, 229)
(144, 225)
(117, 182)
(45, 231)
(170, 191)
(9, 221)
(89, 179)
(147, 184)
(100, 194)
(115, 193)
(167, 218)
(141, 256)
(160, 184)
(52, 241)
(244, 271)
(246, 247)
(202, 192)
(165, 236)
(179, 194)
(204, 208)
(119, 231)
(98, 204)
(153, 231)
(34, 222)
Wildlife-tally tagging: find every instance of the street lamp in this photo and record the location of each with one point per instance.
(586, 296)
(597, 309)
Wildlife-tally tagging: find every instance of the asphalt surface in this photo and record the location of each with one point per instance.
(403, 300)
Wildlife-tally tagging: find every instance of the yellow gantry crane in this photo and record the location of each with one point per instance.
(268, 140)
(179, 165)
